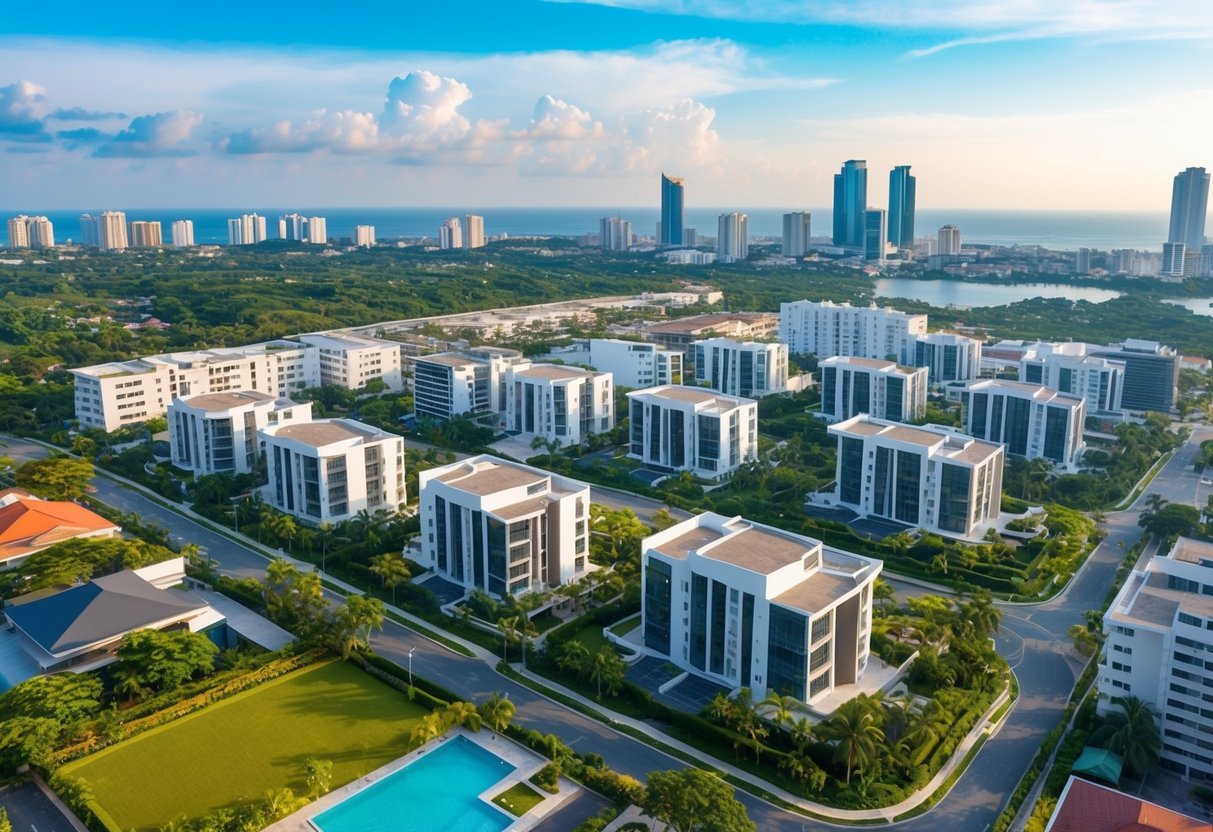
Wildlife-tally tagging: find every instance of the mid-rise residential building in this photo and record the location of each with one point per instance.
(452, 384)
(901, 207)
(1030, 420)
(354, 361)
(615, 233)
(1189, 208)
(748, 605)
(450, 234)
(557, 402)
(146, 234)
(949, 241)
(1157, 649)
(677, 428)
(874, 234)
(883, 389)
(183, 233)
(364, 236)
(1174, 260)
(850, 204)
(797, 233)
(750, 369)
(670, 226)
(503, 527)
(925, 477)
(635, 363)
(826, 329)
(328, 470)
(732, 238)
(473, 231)
(682, 333)
(948, 357)
(1151, 373)
(214, 433)
(30, 232)
(246, 230)
(111, 231)
(1069, 368)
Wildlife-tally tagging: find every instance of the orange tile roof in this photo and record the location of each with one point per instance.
(29, 524)
(1089, 807)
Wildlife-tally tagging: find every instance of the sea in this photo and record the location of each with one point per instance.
(1057, 230)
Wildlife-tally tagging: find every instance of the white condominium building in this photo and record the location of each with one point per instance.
(615, 233)
(146, 234)
(473, 231)
(748, 605)
(183, 233)
(948, 357)
(826, 329)
(882, 389)
(30, 232)
(1070, 368)
(925, 477)
(352, 361)
(1030, 420)
(732, 238)
(692, 429)
(364, 236)
(246, 230)
(797, 234)
(449, 384)
(450, 234)
(328, 470)
(111, 231)
(557, 402)
(503, 527)
(636, 363)
(1158, 649)
(216, 433)
(742, 368)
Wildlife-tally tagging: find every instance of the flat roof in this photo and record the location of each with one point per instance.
(1036, 391)
(555, 372)
(348, 341)
(858, 361)
(327, 431)
(694, 395)
(696, 323)
(448, 359)
(944, 443)
(817, 593)
(1191, 551)
(687, 542)
(213, 402)
(488, 477)
(759, 550)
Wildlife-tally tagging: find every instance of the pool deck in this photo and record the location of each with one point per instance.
(525, 761)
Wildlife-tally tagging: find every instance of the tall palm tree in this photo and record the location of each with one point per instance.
(1132, 732)
(981, 613)
(392, 570)
(856, 734)
(496, 712)
(462, 713)
(356, 619)
(508, 627)
(779, 708)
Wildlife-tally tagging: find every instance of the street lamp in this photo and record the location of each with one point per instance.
(412, 650)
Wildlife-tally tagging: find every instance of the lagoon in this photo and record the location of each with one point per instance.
(1198, 306)
(967, 294)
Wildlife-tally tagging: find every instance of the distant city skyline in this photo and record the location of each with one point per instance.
(576, 104)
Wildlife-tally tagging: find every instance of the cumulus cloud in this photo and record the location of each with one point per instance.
(21, 108)
(82, 137)
(151, 136)
(81, 114)
(679, 134)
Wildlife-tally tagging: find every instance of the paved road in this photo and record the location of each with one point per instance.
(29, 810)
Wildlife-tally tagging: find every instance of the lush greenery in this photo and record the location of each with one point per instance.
(692, 800)
(518, 799)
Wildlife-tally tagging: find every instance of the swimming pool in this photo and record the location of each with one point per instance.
(438, 791)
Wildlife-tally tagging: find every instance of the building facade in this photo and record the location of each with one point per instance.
(216, 433)
(925, 477)
(948, 357)
(901, 207)
(111, 231)
(246, 230)
(1068, 368)
(949, 241)
(826, 329)
(30, 232)
(450, 234)
(797, 234)
(732, 238)
(1189, 208)
(750, 369)
(671, 223)
(682, 333)
(354, 361)
(452, 384)
(882, 389)
(1030, 420)
(748, 605)
(875, 233)
(503, 527)
(328, 470)
(615, 233)
(146, 234)
(557, 402)
(692, 429)
(635, 363)
(473, 231)
(1151, 374)
(364, 236)
(183, 233)
(850, 204)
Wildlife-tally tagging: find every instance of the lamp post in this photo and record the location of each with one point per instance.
(412, 650)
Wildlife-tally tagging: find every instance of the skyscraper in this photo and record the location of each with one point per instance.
(292, 227)
(246, 230)
(875, 232)
(671, 210)
(1189, 206)
(111, 231)
(949, 240)
(89, 234)
(796, 231)
(183, 233)
(18, 232)
(901, 207)
(364, 236)
(41, 232)
(317, 231)
(850, 203)
(615, 233)
(732, 238)
(144, 234)
(450, 234)
(473, 231)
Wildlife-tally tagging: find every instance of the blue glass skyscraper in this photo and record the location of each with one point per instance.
(850, 203)
(901, 207)
(671, 210)
(1189, 207)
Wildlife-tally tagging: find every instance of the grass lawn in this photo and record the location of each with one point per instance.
(518, 799)
(591, 636)
(625, 627)
(232, 752)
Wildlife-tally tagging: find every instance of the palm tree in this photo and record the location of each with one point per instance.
(605, 667)
(924, 729)
(721, 708)
(324, 536)
(429, 727)
(355, 621)
(981, 613)
(939, 563)
(391, 569)
(856, 734)
(128, 683)
(462, 713)
(779, 708)
(496, 712)
(573, 657)
(508, 627)
(1131, 732)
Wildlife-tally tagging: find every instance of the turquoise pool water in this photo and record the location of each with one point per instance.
(436, 792)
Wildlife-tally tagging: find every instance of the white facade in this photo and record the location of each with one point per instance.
(636, 363)
(146, 234)
(450, 234)
(217, 432)
(949, 240)
(503, 527)
(692, 429)
(797, 233)
(557, 402)
(364, 236)
(750, 605)
(473, 231)
(352, 361)
(732, 238)
(882, 389)
(328, 470)
(752, 369)
(451, 384)
(615, 233)
(18, 232)
(827, 329)
(925, 477)
(948, 357)
(246, 230)
(690, 257)
(317, 231)
(1068, 368)
(1157, 649)
(183, 233)
(30, 232)
(1030, 420)
(111, 231)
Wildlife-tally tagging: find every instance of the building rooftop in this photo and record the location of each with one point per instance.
(817, 592)
(216, 402)
(555, 372)
(857, 361)
(28, 524)
(757, 549)
(690, 541)
(327, 431)
(448, 359)
(1191, 551)
(693, 395)
(1089, 807)
(1038, 392)
(698, 323)
(481, 477)
(347, 341)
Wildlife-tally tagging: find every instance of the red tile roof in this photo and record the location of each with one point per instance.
(1089, 807)
(30, 524)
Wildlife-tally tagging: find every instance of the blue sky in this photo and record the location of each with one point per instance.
(1077, 104)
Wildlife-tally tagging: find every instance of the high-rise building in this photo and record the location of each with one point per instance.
(850, 204)
(672, 208)
(450, 234)
(473, 231)
(292, 227)
(732, 238)
(246, 230)
(145, 234)
(615, 233)
(317, 231)
(111, 231)
(18, 232)
(41, 232)
(874, 234)
(1174, 256)
(364, 236)
(1189, 207)
(948, 357)
(1124, 261)
(901, 207)
(183, 233)
(1082, 261)
(797, 228)
(1206, 260)
(90, 234)
(949, 240)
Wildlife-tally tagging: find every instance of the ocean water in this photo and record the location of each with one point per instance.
(1060, 230)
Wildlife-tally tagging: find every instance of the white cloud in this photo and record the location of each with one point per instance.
(151, 136)
(21, 111)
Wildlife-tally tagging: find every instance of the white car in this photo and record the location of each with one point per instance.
(1206, 481)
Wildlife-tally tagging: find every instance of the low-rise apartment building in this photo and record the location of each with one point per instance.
(826, 329)
(884, 389)
(1070, 368)
(679, 428)
(450, 384)
(752, 369)
(1030, 420)
(213, 433)
(352, 361)
(947, 356)
(557, 402)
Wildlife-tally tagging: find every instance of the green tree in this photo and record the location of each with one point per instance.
(55, 477)
(693, 800)
(780, 709)
(163, 660)
(462, 713)
(354, 622)
(855, 731)
(1171, 520)
(607, 670)
(67, 698)
(496, 712)
(1132, 732)
(980, 614)
(391, 569)
(318, 774)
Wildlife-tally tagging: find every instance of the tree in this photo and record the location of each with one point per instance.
(1132, 732)
(391, 569)
(508, 627)
(429, 727)
(55, 477)
(882, 593)
(981, 614)
(939, 563)
(1085, 642)
(662, 519)
(779, 708)
(855, 732)
(66, 698)
(163, 660)
(572, 657)
(318, 775)
(462, 713)
(1171, 520)
(496, 712)
(693, 800)
(355, 621)
(606, 669)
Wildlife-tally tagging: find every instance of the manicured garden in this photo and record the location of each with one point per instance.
(237, 750)
(518, 799)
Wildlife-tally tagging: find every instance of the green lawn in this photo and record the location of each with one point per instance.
(518, 799)
(234, 751)
(625, 627)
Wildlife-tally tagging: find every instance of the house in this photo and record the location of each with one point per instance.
(29, 524)
(1089, 807)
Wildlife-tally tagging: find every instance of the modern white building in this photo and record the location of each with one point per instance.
(748, 605)
(882, 389)
(145, 234)
(111, 231)
(473, 231)
(246, 230)
(1157, 649)
(615, 233)
(1069, 368)
(30, 232)
(183, 233)
(557, 402)
(679, 428)
(353, 361)
(1030, 420)
(948, 357)
(797, 233)
(216, 433)
(732, 238)
(450, 384)
(949, 240)
(328, 470)
(503, 527)
(364, 236)
(925, 477)
(751, 369)
(635, 363)
(826, 329)
(450, 234)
